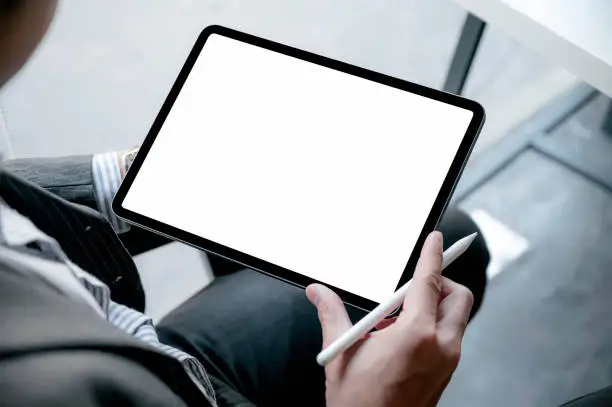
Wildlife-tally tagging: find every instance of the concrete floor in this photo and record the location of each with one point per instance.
(544, 335)
(104, 70)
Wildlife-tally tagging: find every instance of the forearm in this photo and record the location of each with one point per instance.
(70, 178)
(89, 180)
(108, 170)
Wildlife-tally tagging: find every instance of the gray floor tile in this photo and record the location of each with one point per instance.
(582, 139)
(544, 333)
(170, 275)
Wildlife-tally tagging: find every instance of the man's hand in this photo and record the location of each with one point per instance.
(409, 360)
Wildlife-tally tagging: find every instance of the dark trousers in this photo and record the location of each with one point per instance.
(258, 337)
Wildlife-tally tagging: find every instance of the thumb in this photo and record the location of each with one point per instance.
(332, 314)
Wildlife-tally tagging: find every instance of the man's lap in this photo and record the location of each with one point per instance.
(260, 336)
(257, 334)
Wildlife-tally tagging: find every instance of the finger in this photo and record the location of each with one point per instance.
(332, 313)
(426, 287)
(385, 323)
(454, 310)
(430, 260)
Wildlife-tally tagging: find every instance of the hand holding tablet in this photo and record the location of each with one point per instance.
(371, 320)
(408, 361)
(298, 166)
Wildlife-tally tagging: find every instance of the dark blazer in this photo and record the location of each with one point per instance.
(85, 236)
(55, 353)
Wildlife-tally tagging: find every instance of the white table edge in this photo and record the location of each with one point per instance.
(544, 41)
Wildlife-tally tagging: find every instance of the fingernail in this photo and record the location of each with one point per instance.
(313, 294)
(436, 238)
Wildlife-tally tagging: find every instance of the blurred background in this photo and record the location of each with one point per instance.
(538, 183)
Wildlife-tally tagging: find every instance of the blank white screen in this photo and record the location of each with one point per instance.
(323, 173)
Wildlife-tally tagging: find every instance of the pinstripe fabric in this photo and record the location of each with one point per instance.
(21, 235)
(84, 235)
(106, 180)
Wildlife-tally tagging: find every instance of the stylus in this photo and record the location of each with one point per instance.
(367, 323)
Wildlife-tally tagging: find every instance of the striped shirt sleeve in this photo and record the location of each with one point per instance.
(106, 169)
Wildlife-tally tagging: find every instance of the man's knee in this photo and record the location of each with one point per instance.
(470, 269)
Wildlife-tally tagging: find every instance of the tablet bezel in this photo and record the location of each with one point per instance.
(260, 265)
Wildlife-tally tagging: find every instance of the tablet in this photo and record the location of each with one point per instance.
(299, 166)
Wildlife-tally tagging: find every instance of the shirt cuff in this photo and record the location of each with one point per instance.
(106, 170)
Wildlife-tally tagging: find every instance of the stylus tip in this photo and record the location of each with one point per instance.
(471, 237)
